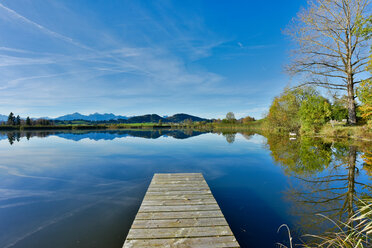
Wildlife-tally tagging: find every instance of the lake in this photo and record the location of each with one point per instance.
(83, 189)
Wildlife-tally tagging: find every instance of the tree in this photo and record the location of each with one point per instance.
(248, 119)
(283, 112)
(329, 52)
(364, 93)
(230, 117)
(188, 122)
(314, 112)
(11, 119)
(160, 122)
(28, 121)
(339, 108)
(18, 120)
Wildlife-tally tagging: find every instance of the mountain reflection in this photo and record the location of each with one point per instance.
(326, 177)
(99, 135)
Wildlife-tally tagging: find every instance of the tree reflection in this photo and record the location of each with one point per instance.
(11, 138)
(77, 135)
(248, 134)
(301, 156)
(326, 178)
(230, 137)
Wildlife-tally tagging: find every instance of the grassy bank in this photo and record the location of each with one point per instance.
(361, 132)
(227, 127)
(344, 131)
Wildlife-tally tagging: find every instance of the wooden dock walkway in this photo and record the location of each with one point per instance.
(179, 210)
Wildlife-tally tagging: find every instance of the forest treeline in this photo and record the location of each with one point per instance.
(305, 110)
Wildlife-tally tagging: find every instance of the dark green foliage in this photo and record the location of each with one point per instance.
(18, 120)
(230, 118)
(28, 121)
(314, 112)
(339, 114)
(284, 111)
(11, 119)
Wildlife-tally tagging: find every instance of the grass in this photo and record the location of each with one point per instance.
(345, 131)
(355, 233)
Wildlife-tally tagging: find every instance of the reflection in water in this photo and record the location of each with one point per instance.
(367, 158)
(100, 135)
(327, 179)
(230, 137)
(60, 193)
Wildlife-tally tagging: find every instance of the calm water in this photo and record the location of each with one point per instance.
(83, 189)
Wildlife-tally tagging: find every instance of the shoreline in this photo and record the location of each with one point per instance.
(362, 133)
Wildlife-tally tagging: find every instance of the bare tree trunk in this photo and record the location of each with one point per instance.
(351, 181)
(329, 51)
(351, 103)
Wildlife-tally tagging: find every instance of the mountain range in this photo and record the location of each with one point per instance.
(96, 117)
(91, 117)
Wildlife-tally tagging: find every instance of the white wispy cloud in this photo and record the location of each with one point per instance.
(41, 27)
(154, 64)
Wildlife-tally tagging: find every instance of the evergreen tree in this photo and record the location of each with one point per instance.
(28, 121)
(11, 119)
(18, 120)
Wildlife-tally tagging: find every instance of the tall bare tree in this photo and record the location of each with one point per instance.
(329, 52)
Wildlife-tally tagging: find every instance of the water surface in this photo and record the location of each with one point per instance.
(83, 189)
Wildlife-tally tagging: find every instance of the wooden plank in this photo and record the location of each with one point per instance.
(173, 175)
(179, 210)
(190, 192)
(178, 215)
(174, 202)
(177, 197)
(193, 188)
(220, 221)
(184, 232)
(205, 242)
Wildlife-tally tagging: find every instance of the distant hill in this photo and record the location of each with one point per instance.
(177, 118)
(91, 117)
(183, 117)
(145, 118)
(104, 118)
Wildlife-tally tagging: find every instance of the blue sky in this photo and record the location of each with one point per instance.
(136, 57)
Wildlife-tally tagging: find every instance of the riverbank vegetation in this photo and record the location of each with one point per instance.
(304, 110)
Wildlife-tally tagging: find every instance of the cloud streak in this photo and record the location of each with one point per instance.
(42, 28)
(156, 57)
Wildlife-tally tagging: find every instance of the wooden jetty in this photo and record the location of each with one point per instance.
(179, 210)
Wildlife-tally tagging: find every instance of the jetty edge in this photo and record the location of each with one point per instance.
(179, 210)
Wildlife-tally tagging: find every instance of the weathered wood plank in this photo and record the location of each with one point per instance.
(176, 183)
(179, 210)
(220, 221)
(179, 215)
(184, 232)
(177, 196)
(205, 242)
(177, 175)
(174, 202)
(190, 188)
(150, 209)
(191, 192)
